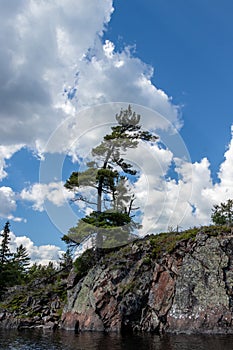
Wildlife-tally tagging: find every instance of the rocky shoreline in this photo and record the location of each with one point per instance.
(34, 313)
(142, 287)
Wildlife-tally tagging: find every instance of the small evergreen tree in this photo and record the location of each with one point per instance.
(223, 214)
(20, 263)
(5, 256)
(65, 264)
(13, 266)
(21, 258)
(38, 273)
(5, 253)
(66, 261)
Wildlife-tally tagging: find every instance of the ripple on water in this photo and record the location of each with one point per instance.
(61, 340)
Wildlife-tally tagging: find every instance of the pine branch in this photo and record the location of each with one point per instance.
(80, 197)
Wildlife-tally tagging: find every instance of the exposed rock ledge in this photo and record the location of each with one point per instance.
(140, 287)
(188, 290)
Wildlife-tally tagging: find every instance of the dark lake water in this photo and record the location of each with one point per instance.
(41, 340)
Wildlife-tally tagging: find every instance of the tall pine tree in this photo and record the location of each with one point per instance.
(19, 264)
(111, 221)
(4, 247)
(5, 256)
(13, 266)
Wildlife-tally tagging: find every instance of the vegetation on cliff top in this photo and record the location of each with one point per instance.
(16, 268)
(154, 247)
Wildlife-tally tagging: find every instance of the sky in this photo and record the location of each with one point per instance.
(68, 66)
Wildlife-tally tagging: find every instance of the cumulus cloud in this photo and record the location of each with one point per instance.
(8, 204)
(39, 193)
(184, 200)
(41, 45)
(119, 76)
(48, 61)
(171, 191)
(53, 64)
(222, 190)
(7, 201)
(38, 254)
(6, 152)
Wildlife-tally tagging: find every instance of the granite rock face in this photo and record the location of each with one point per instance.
(178, 282)
(188, 290)
(202, 301)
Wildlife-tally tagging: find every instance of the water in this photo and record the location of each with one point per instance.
(41, 340)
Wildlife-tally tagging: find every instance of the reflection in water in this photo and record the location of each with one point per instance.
(39, 340)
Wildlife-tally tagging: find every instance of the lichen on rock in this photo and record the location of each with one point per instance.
(188, 289)
(201, 302)
(174, 282)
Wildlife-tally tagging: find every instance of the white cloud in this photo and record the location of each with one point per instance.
(186, 201)
(119, 76)
(40, 193)
(171, 190)
(41, 46)
(38, 254)
(48, 48)
(226, 168)
(8, 204)
(7, 201)
(6, 152)
(223, 189)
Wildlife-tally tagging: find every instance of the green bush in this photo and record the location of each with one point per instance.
(84, 263)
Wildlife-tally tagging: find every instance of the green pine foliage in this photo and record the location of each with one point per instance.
(13, 266)
(4, 248)
(6, 268)
(223, 214)
(16, 268)
(66, 263)
(109, 174)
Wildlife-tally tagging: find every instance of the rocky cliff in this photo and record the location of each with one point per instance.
(170, 282)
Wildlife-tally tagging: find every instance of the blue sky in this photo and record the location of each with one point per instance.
(61, 60)
(189, 44)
